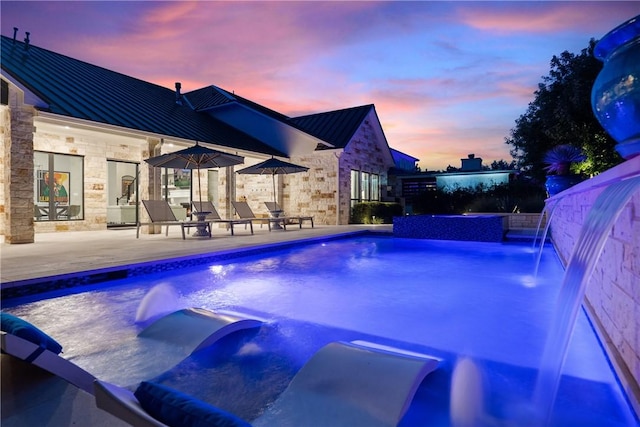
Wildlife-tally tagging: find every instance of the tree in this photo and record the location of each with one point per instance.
(561, 113)
(503, 165)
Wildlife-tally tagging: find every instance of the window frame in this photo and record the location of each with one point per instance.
(65, 174)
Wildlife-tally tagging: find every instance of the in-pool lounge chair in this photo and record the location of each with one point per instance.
(244, 211)
(214, 217)
(195, 328)
(345, 384)
(26, 342)
(160, 213)
(40, 387)
(296, 219)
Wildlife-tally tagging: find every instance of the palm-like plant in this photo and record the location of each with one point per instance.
(560, 158)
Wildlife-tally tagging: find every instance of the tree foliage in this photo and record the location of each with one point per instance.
(561, 113)
(519, 195)
(503, 165)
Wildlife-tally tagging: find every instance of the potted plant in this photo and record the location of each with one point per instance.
(559, 160)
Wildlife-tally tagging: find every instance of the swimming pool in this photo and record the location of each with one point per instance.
(443, 298)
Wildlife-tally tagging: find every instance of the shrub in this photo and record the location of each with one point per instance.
(517, 196)
(375, 212)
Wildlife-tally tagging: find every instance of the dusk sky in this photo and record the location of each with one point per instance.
(447, 78)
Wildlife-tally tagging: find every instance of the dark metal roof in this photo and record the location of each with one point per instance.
(335, 127)
(81, 90)
(207, 97)
(254, 106)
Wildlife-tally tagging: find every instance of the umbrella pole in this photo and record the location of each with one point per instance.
(273, 180)
(199, 187)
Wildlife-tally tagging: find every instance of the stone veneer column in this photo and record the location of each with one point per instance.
(5, 134)
(18, 175)
(150, 185)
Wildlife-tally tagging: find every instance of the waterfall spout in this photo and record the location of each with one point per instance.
(593, 235)
(544, 234)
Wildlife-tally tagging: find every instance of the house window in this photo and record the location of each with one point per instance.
(365, 187)
(375, 187)
(355, 187)
(4, 92)
(58, 187)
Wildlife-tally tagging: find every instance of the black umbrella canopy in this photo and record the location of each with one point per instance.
(273, 167)
(196, 157)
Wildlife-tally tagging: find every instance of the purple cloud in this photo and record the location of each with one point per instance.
(447, 78)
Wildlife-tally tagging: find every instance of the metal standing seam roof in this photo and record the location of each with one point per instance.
(206, 98)
(81, 90)
(211, 97)
(335, 127)
(252, 105)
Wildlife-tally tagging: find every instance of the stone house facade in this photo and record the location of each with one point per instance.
(36, 129)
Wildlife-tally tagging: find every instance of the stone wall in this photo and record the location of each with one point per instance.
(16, 204)
(5, 140)
(314, 192)
(366, 152)
(519, 221)
(95, 148)
(323, 192)
(613, 291)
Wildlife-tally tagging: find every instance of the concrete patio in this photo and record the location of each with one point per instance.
(71, 252)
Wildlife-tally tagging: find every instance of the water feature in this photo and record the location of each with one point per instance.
(443, 298)
(593, 235)
(549, 213)
(615, 99)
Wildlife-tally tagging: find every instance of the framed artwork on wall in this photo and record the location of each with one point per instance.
(58, 186)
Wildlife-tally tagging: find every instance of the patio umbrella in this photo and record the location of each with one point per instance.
(273, 167)
(196, 157)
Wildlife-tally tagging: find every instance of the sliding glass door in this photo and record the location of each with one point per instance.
(122, 193)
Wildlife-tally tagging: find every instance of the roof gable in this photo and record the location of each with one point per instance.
(206, 97)
(335, 127)
(232, 97)
(269, 126)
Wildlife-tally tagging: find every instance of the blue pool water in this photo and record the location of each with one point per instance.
(444, 298)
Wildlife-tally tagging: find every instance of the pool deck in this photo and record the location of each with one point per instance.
(72, 252)
(62, 253)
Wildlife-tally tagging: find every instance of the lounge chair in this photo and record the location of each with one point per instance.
(24, 341)
(41, 388)
(344, 384)
(161, 214)
(196, 328)
(214, 217)
(297, 219)
(244, 211)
